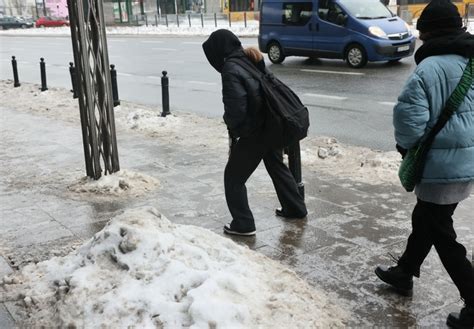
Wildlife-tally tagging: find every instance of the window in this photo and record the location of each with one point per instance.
(330, 12)
(297, 13)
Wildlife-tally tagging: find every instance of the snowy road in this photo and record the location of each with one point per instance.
(351, 105)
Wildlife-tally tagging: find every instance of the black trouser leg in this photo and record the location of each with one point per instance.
(419, 242)
(435, 227)
(244, 158)
(453, 257)
(285, 185)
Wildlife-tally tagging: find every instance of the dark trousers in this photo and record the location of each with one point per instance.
(433, 226)
(244, 158)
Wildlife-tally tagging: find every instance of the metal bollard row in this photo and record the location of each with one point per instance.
(15, 73)
(113, 75)
(44, 86)
(72, 72)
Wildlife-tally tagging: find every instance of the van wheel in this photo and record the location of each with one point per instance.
(356, 56)
(275, 53)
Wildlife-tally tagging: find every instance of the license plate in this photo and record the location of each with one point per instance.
(403, 48)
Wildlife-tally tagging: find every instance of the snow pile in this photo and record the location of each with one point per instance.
(320, 154)
(119, 183)
(351, 162)
(147, 120)
(250, 31)
(238, 28)
(143, 271)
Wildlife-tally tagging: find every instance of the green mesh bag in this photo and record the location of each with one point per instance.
(412, 166)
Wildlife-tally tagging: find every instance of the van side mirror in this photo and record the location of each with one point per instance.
(341, 19)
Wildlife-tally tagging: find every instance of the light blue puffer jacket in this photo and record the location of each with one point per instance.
(451, 158)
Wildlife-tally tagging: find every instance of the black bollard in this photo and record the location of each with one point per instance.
(113, 76)
(294, 163)
(72, 72)
(44, 86)
(165, 96)
(15, 73)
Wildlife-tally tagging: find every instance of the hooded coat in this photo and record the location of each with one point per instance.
(441, 63)
(241, 93)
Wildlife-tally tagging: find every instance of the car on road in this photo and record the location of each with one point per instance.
(48, 21)
(10, 22)
(357, 31)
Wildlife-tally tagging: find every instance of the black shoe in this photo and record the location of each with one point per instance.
(397, 278)
(281, 213)
(462, 320)
(229, 230)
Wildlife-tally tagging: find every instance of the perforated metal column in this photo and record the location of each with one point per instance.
(91, 58)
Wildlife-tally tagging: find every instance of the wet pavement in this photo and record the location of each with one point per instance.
(351, 227)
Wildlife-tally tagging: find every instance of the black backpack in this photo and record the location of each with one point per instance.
(286, 118)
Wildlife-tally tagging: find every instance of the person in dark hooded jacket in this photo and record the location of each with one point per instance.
(244, 116)
(448, 175)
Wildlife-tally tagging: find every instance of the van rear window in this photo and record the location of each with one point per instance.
(297, 13)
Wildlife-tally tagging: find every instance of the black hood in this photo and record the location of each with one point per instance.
(220, 45)
(458, 43)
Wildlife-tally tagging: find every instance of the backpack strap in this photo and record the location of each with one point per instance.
(249, 67)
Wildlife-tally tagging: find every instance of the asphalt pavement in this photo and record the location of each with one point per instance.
(355, 106)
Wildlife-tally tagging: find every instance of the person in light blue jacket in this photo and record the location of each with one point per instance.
(448, 175)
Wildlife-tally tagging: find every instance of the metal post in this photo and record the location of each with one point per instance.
(113, 76)
(215, 19)
(44, 86)
(136, 19)
(165, 96)
(230, 19)
(177, 19)
(156, 20)
(202, 20)
(146, 20)
(72, 72)
(294, 163)
(94, 87)
(245, 19)
(189, 19)
(15, 73)
(166, 19)
(44, 8)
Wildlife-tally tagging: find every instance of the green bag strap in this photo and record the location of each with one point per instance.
(453, 103)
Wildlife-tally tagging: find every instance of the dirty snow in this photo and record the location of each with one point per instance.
(143, 271)
(237, 27)
(119, 183)
(321, 154)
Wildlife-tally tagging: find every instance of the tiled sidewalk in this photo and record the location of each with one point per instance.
(350, 229)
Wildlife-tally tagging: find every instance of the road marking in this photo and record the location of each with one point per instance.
(332, 72)
(117, 40)
(153, 77)
(388, 103)
(191, 43)
(124, 74)
(151, 41)
(165, 49)
(339, 98)
(203, 83)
